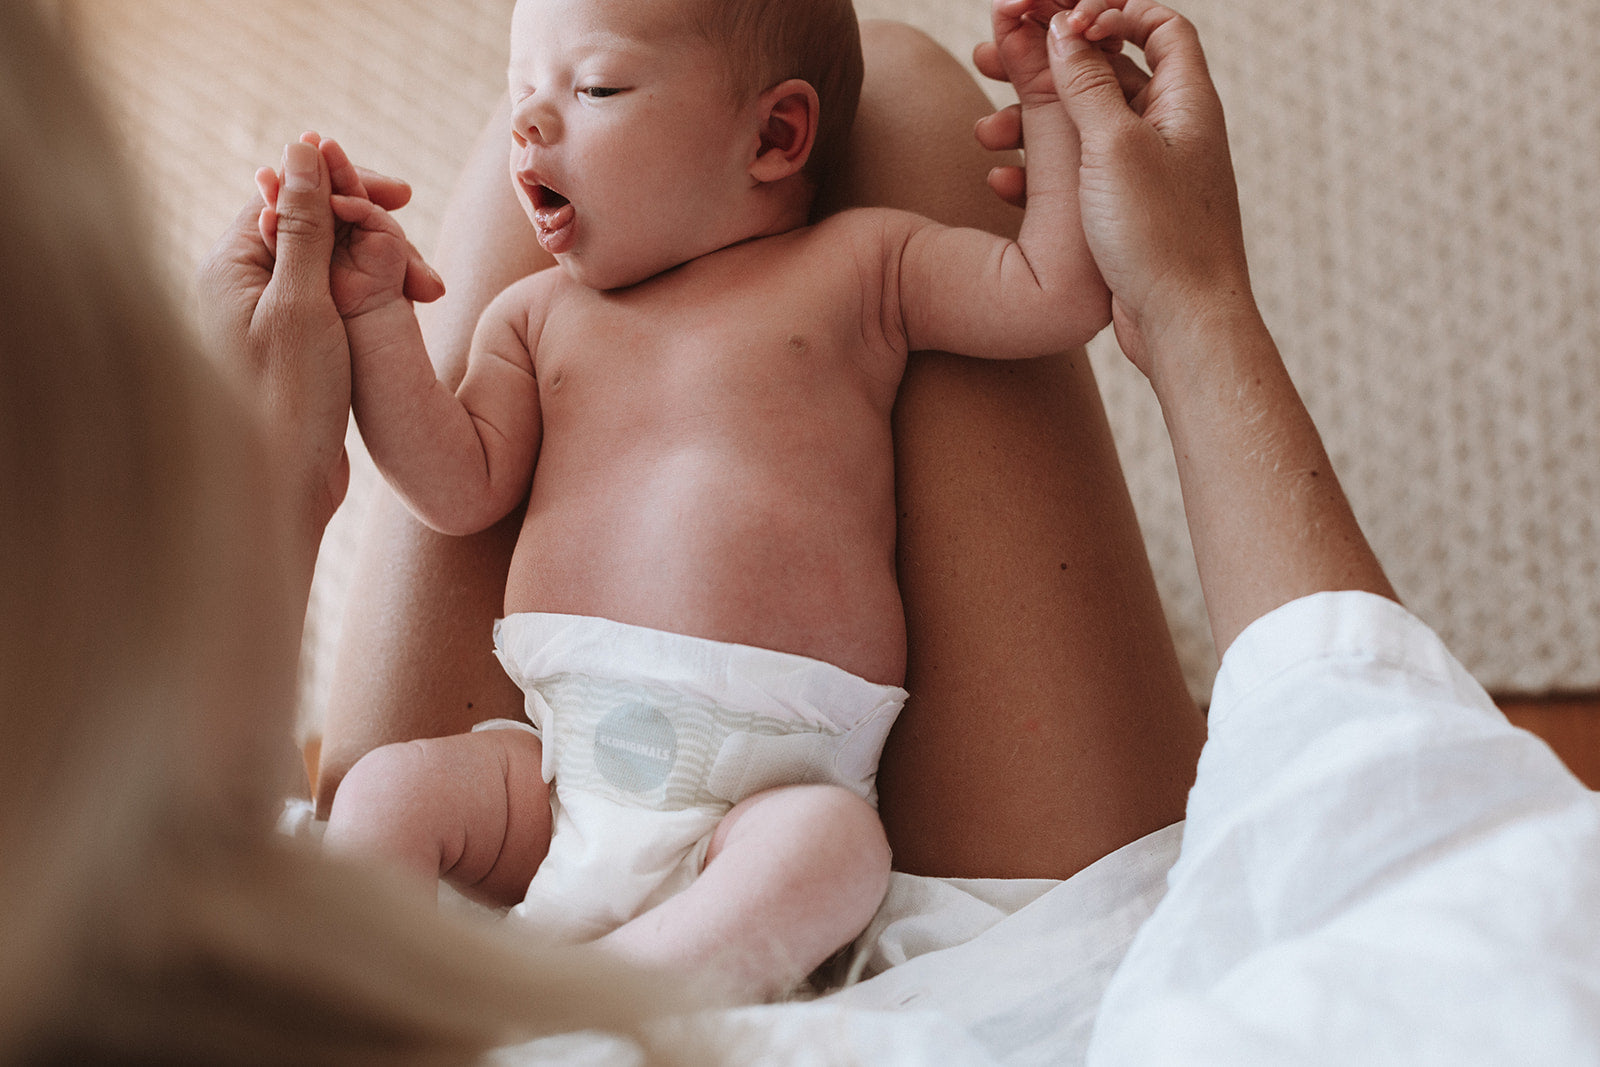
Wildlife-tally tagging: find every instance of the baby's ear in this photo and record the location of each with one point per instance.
(789, 115)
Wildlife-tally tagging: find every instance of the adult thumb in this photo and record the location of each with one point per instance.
(1085, 82)
(305, 219)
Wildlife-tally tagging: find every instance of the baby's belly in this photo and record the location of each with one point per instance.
(707, 545)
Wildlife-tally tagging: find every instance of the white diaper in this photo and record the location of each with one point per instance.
(650, 737)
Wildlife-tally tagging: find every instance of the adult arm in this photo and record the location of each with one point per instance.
(272, 325)
(1048, 723)
(1268, 518)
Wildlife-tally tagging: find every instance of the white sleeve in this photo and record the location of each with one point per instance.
(1376, 867)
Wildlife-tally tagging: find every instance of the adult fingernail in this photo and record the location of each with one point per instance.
(1062, 39)
(299, 167)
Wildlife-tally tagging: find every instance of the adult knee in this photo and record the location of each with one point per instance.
(903, 45)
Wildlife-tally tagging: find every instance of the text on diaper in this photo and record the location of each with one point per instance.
(635, 747)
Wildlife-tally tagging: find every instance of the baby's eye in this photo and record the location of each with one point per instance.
(599, 92)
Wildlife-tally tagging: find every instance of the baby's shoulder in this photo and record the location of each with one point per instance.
(536, 288)
(872, 238)
(529, 296)
(869, 227)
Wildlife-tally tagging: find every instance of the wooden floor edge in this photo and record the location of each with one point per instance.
(1568, 722)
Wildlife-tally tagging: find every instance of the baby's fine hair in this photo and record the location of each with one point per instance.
(818, 41)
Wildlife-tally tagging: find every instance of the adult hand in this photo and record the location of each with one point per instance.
(1158, 200)
(1267, 517)
(270, 319)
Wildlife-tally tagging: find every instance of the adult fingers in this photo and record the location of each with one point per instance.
(305, 222)
(1085, 80)
(267, 217)
(1179, 74)
(1133, 79)
(236, 267)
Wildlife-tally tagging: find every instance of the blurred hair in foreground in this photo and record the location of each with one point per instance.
(148, 635)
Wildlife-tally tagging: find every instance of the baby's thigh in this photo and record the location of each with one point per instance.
(820, 841)
(476, 801)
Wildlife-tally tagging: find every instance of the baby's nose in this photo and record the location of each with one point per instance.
(534, 121)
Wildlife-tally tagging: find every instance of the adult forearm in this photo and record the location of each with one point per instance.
(1266, 513)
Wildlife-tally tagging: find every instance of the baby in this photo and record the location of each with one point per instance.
(702, 608)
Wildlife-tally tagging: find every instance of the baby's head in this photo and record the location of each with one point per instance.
(765, 42)
(649, 132)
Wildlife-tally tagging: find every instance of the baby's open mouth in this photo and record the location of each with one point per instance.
(546, 198)
(553, 216)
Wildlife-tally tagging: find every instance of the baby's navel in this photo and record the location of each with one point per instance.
(798, 343)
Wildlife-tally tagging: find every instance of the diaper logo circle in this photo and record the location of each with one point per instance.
(635, 747)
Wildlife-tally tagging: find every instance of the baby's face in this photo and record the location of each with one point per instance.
(628, 149)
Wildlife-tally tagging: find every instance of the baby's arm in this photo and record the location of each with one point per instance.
(460, 460)
(970, 292)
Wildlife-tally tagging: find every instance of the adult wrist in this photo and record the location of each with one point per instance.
(1190, 341)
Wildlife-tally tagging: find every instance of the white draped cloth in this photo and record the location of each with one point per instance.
(1376, 868)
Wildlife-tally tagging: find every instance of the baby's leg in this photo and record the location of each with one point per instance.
(472, 809)
(792, 875)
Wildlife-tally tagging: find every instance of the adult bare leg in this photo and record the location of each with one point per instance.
(1048, 723)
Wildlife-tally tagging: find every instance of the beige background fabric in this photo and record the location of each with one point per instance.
(1422, 203)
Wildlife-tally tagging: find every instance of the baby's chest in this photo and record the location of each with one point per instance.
(681, 347)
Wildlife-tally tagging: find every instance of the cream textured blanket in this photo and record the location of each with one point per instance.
(1421, 195)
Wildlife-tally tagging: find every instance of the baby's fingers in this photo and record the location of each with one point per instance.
(986, 57)
(423, 283)
(1010, 184)
(391, 194)
(1001, 131)
(267, 184)
(359, 211)
(1084, 15)
(344, 174)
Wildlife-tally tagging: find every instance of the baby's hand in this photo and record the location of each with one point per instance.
(1018, 53)
(370, 255)
(352, 284)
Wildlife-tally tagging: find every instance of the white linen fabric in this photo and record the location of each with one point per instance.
(1376, 867)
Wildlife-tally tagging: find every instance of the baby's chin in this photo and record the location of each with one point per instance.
(602, 272)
